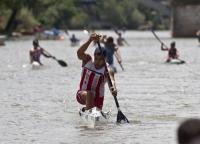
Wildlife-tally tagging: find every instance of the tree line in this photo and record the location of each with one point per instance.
(16, 15)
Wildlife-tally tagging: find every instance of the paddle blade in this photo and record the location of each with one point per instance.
(121, 66)
(62, 63)
(182, 62)
(121, 118)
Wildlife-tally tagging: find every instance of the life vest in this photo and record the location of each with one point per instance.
(35, 54)
(172, 53)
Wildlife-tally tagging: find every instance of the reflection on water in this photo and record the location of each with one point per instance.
(39, 106)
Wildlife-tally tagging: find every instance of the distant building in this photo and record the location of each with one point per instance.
(161, 7)
(185, 21)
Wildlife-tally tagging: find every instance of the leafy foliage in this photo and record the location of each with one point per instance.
(75, 14)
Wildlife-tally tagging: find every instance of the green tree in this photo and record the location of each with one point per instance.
(120, 13)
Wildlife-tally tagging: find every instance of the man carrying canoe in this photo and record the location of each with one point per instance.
(94, 75)
(172, 51)
(36, 52)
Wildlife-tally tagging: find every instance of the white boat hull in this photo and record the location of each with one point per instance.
(94, 117)
(35, 65)
(175, 61)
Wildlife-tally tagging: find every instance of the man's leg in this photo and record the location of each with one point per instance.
(88, 97)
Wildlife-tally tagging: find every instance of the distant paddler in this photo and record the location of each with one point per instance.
(172, 52)
(111, 50)
(36, 52)
(94, 75)
(74, 41)
(121, 40)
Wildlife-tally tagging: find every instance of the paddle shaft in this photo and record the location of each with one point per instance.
(61, 62)
(47, 53)
(158, 38)
(120, 116)
(108, 77)
(116, 102)
(120, 63)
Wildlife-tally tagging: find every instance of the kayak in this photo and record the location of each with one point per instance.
(175, 61)
(94, 117)
(35, 65)
(75, 44)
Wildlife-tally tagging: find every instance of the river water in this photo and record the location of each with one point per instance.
(39, 106)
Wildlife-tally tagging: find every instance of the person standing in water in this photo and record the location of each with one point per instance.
(94, 76)
(111, 49)
(121, 40)
(36, 52)
(172, 51)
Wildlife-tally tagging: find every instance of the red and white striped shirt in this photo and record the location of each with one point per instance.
(93, 79)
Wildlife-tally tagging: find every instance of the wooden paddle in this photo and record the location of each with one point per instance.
(158, 38)
(121, 118)
(61, 62)
(118, 60)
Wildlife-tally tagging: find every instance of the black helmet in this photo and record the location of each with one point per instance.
(35, 42)
(110, 40)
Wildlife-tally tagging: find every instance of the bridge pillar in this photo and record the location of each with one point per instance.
(185, 20)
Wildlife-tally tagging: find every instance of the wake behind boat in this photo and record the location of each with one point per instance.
(175, 61)
(94, 116)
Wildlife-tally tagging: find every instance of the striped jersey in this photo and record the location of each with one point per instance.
(93, 79)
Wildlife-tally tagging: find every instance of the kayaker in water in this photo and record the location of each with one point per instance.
(91, 90)
(36, 52)
(172, 51)
(74, 40)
